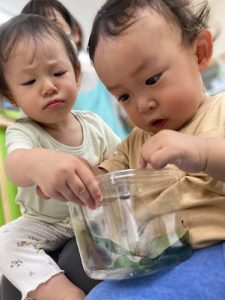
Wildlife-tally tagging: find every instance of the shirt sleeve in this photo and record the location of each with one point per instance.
(119, 160)
(111, 140)
(18, 137)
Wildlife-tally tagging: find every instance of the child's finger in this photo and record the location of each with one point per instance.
(80, 192)
(142, 163)
(58, 196)
(91, 184)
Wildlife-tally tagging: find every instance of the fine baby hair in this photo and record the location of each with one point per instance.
(25, 27)
(115, 16)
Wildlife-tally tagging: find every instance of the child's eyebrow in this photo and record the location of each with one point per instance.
(139, 67)
(28, 69)
(31, 67)
(133, 73)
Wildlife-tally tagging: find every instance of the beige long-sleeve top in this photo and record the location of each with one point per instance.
(200, 202)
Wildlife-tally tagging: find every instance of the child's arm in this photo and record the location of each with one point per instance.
(189, 153)
(59, 175)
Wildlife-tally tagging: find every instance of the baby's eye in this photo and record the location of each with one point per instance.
(60, 73)
(29, 82)
(153, 80)
(123, 98)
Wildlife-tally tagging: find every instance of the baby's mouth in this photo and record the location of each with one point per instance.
(159, 124)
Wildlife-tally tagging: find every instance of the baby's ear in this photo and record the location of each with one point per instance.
(203, 47)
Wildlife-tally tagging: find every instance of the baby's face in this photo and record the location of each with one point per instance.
(151, 73)
(41, 79)
(58, 19)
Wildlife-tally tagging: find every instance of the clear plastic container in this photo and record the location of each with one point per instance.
(137, 230)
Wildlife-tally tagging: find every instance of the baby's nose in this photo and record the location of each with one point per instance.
(145, 105)
(49, 88)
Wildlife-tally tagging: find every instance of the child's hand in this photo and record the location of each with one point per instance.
(58, 175)
(69, 179)
(171, 147)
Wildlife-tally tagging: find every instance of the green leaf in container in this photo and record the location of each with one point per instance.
(110, 245)
(162, 253)
(123, 261)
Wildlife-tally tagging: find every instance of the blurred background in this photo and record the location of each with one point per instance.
(83, 10)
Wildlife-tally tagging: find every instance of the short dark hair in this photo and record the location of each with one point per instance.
(34, 27)
(46, 8)
(116, 15)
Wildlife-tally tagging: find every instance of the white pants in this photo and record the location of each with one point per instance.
(23, 243)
